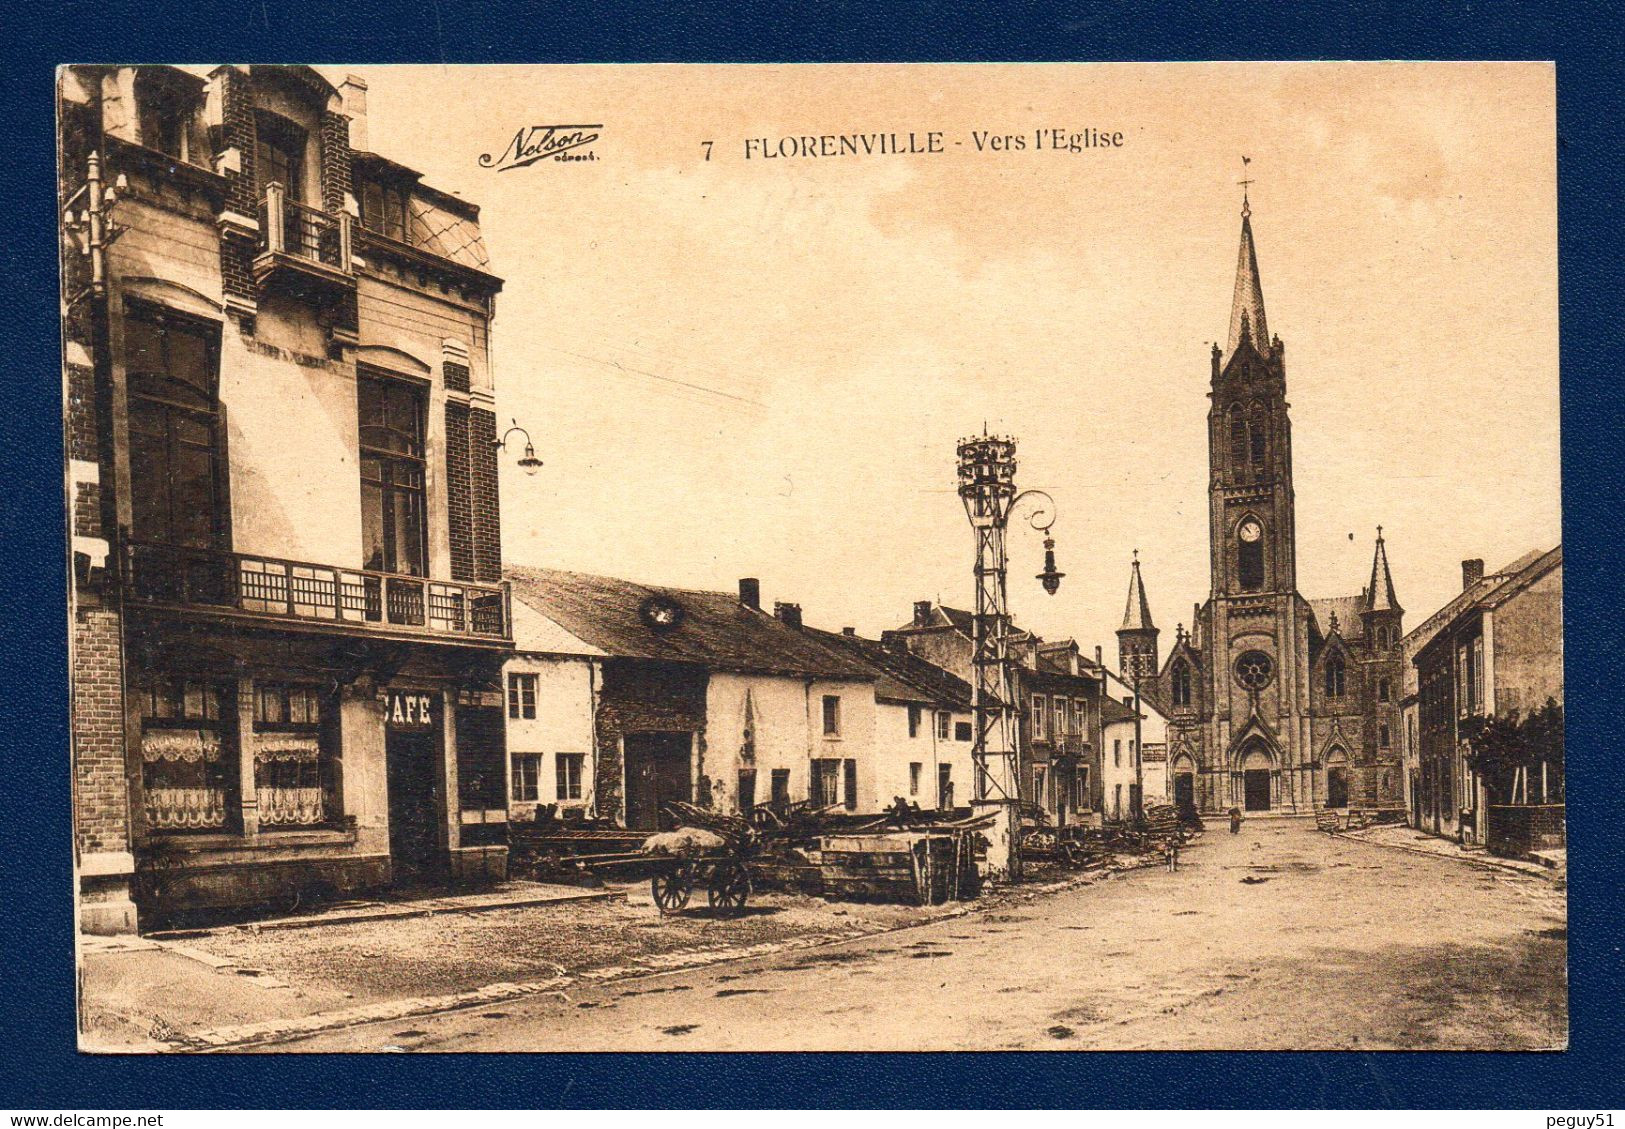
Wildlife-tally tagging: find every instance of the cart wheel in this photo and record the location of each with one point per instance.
(672, 888)
(728, 889)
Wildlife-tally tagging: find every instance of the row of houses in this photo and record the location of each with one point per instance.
(297, 661)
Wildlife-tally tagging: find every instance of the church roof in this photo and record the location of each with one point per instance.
(1380, 594)
(1346, 609)
(1137, 612)
(1247, 306)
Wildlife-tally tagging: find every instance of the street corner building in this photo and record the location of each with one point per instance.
(288, 617)
(1274, 702)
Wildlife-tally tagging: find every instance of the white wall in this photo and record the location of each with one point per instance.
(1117, 771)
(857, 737)
(781, 738)
(895, 750)
(565, 707)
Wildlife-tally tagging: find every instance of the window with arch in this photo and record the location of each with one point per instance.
(1238, 437)
(1180, 684)
(1258, 432)
(1384, 690)
(1382, 735)
(1336, 676)
(1382, 640)
(1250, 554)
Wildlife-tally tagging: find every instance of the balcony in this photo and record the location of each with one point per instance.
(1073, 745)
(306, 596)
(302, 250)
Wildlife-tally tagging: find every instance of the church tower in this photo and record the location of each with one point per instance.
(1250, 500)
(1137, 638)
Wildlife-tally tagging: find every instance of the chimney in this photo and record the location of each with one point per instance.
(1099, 658)
(850, 632)
(788, 614)
(1471, 573)
(894, 641)
(750, 592)
(922, 613)
(353, 92)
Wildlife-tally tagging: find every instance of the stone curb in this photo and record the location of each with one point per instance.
(422, 909)
(1484, 863)
(267, 1033)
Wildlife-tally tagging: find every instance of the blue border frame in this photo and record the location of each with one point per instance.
(43, 1070)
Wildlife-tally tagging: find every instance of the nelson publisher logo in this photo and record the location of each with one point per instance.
(533, 143)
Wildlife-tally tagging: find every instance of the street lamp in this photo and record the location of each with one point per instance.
(528, 462)
(987, 487)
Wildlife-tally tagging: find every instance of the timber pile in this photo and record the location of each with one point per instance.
(918, 866)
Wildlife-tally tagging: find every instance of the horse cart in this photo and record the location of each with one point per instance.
(707, 848)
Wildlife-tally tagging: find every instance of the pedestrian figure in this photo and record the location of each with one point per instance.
(1170, 854)
(1235, 821)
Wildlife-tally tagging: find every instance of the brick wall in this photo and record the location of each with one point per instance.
(459, 499)
(482, 437)
(237, 132)
(335, 147)
(102, 816)
(456, 377)
(642, 697)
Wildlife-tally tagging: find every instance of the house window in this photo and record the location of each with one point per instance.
(394, 537)
(1133, 754)
(1383, 690)
(1117, 801)
(177, 475)
(292, 779)
(964, 731)
(1060, 718)
(914, 770)
(1040, 785)
(522, 696)
(1478, 674)
(1080, 717)
(279, 151)
(849, 778)
(1336, 675)
(832, 715)
(1037, 717)
(1180, 688)
(826, 782)
(1117, 753)
(914, 721)
(527, 777)
(384, 210)
(1080, 788)
(945, 725)
(780, 784)
(568, 767)
(189, 778)
(165, 116)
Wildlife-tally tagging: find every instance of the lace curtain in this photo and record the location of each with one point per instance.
(183, 779)
(287, 779)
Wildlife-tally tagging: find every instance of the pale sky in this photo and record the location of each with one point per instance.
(760, 368)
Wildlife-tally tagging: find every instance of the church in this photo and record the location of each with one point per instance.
(1275, 702)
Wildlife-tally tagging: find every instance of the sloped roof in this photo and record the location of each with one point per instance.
(1247, 304)
(1113, 711)
(1380, 592)
(717, 631)
(901, 675)
(1347, 609)
(1487, 591)
(1137, 612)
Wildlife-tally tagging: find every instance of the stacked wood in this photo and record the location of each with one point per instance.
(913, 867)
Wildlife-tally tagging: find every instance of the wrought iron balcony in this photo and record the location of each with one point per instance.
(295, 592)
(304, 248)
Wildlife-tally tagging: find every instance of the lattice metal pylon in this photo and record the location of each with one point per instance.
(987, 470)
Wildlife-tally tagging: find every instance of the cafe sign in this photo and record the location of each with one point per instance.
(408, 709)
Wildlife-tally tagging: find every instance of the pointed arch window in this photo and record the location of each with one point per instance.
(1384, 690)
(1238, 439)
(1336, 677)
(1180, 684)
(1258, 433)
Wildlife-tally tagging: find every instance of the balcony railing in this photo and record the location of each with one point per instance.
(1074, 745)
(313, 593)
(290, 228)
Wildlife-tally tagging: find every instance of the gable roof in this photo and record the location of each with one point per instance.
(1350, 625)
(1488, 591)
(717, 631)
(901, 675)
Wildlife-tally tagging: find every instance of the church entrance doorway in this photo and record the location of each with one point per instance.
(1256, 766)
(1337, 779)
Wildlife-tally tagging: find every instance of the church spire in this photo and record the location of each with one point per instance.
(1137, 613)
(1380, 595)
(1247, 307)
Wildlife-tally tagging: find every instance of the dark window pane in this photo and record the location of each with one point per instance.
(189, 360)
(372, 525)
(143, 346)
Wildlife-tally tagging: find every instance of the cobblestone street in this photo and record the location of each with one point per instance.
(1280, 937)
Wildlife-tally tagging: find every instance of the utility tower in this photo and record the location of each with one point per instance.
(987, 487)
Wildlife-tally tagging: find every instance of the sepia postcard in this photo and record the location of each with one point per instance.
(814, 557)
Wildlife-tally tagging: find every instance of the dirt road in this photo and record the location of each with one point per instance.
(1280, 937)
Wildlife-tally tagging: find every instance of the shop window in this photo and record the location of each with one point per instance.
(568, 768)
(964, 731)
(527, 777)
(832, 715)
(292, 778)
(177, 475)
(1336, 677)
(914, 770)
(945, 725)
(394, 537)
(189, 779)
(384, 210)
(522, 696)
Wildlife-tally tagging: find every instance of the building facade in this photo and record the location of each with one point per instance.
(1274, 702)
(1495, 651)
(288, 616)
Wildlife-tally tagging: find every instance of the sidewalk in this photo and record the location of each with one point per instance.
(1405, 838)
